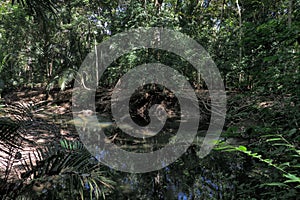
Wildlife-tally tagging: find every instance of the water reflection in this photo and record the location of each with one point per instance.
(188, 178)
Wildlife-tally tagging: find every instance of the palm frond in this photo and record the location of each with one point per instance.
(54, 169)
(70, 169)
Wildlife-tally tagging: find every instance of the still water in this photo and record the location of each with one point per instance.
(189, 177)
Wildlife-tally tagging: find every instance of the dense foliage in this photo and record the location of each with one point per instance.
(255, 45)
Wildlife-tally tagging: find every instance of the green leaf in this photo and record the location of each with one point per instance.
(258, 156)
(292, 181)
(284, 164)
(276, 184)
(292, 132)
(268, 160)
(273, 139)
(242, 148)
(283, 144)
(292, 178)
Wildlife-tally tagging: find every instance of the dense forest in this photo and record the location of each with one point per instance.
(255, 45)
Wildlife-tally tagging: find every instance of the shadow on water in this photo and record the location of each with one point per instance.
(189, 177)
